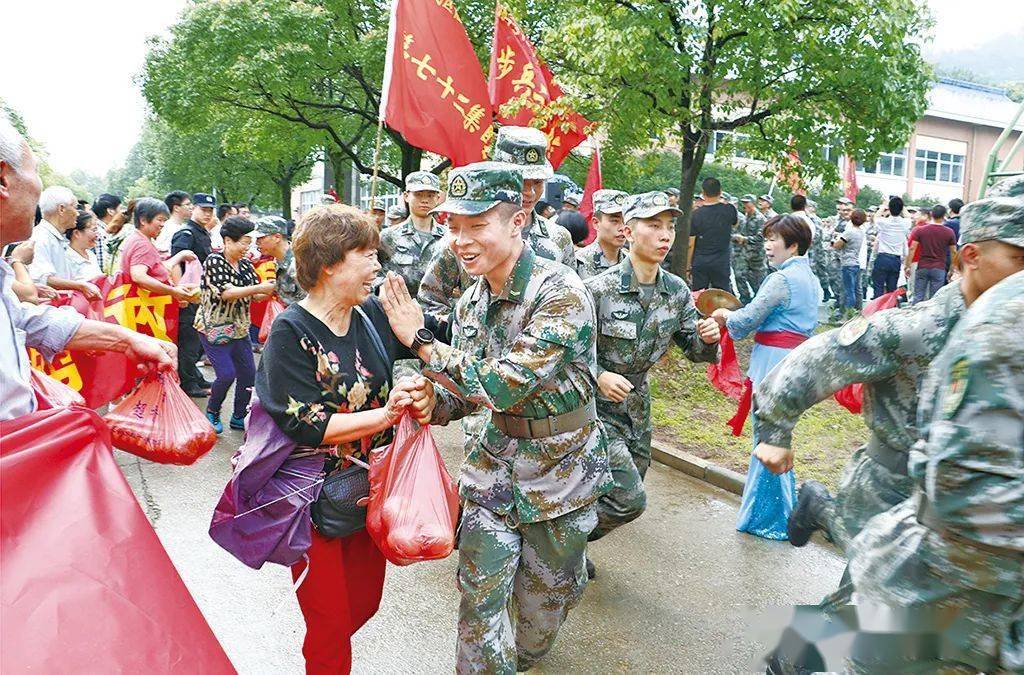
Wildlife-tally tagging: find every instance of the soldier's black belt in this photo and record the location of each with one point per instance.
(926, 516)
(514, 426)
(893, 460)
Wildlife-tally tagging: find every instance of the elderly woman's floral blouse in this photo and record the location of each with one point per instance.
(308, 373)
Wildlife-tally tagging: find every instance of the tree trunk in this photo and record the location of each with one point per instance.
(411, 159)
(692, 161)
(286, 197)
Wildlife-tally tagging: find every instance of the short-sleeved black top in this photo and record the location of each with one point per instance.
(712, 225)
(308, 373)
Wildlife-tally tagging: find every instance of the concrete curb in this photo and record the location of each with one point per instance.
(702, 469)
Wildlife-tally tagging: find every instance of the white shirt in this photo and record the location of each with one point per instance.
(163, 240)
(892, 235)
(83, 269)
(50, 258)
(22, 324)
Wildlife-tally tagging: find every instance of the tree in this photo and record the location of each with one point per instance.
(793, 75)
(317, 65)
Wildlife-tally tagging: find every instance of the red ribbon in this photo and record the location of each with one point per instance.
(852, 396)
(776, 338)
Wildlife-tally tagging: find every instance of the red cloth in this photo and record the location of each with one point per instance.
(850, 188)
(933, 242)
(434, 92)
(777, 338)
(517, 74)
(593, 185)
(725, 375)
(341, 592)
(852, 397)
(266, 269)
(84, 582)
(139, 249)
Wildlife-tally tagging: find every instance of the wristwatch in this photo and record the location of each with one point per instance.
(422, 337)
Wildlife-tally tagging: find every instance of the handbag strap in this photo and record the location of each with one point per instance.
(378, 344)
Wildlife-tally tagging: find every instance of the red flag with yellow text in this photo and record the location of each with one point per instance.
(593, 185)
(519, 80)
(434, 92)
(266, 270)
(100, 377)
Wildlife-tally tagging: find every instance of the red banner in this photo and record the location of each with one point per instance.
(266, 269)
(100, 377)
(521, 83)
(84, 582)
(434, 92)
(850, 188)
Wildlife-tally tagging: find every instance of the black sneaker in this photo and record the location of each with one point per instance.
(808, 514)
(591, 571)
(198, 393)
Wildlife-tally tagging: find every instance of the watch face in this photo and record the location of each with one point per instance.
(424, 336)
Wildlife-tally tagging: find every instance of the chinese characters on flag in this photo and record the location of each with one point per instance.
(850, 188)
(100, 377)
(521, 85)
(434, 92)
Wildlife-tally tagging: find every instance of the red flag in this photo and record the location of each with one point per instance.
(434, 92)
(86, 584)
(266, 270)
(518, 76)
(593, 185)
(789, 170)
(850, 188)
(852, 397)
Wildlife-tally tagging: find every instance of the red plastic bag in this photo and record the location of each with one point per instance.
(413, 505)
(53, 394)
(274, 307)
(159, 422)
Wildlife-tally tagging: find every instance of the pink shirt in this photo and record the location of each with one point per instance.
(139, 249)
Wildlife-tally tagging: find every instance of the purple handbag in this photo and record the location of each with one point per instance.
(263, 515)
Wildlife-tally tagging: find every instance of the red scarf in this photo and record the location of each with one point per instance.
(776, 338)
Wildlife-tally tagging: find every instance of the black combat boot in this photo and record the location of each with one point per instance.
(809, 513)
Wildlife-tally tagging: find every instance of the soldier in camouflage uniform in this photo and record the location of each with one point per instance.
(406, 249)
(523, 348)
(641, 310)
(271, 235)
(526, 147)
(607, 249)
(749, 262)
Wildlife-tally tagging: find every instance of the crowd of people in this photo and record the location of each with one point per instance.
(538, 335)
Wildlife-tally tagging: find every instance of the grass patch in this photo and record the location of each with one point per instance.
(690, 414)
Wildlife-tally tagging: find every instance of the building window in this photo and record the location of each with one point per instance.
(888, 164)
(732, 141)
(308, 199)
(941, 167)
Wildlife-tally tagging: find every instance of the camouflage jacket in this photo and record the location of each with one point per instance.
(750, 253)
(631, 339)
(401, 251)
(526, 351)
(444, 280)
(590, 260)
(889, 352)
(288, 289)
(968, 468)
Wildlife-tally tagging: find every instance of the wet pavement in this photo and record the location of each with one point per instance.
(672, 594)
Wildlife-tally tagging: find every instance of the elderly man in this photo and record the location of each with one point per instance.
(47, 329)
(50, 266)
(106, 207)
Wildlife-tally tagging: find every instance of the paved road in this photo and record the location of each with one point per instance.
(672, 592)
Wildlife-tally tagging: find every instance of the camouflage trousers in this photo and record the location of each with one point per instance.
(518, 582)
(627, 499)
(827, 271)
(748, 280)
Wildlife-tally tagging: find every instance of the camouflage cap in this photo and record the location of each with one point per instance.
(646, 205)
(396, 212)
(726, 197)
(376, 206)
(422, 180)
(672, 192)
(844, 201)
(571, 198)
(268, 225)
(609, 201)
(748, 198)
(478, 187)
(999, 216)
(766, 198)
(526, 147)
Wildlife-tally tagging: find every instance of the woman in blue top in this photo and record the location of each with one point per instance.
(783, 314)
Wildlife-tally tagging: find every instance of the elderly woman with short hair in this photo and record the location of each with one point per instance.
(230, 284)
(141, 261)
(325, 380)
(81, 239)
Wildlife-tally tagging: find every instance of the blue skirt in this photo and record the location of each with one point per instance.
(768, 499)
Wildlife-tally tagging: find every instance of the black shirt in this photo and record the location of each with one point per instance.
(712, 225)
(193, 237)
(308, 373)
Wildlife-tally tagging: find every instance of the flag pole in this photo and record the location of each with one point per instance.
(376, 163)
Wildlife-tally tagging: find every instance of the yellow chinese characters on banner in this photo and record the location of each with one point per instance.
(63, 368)
(266, 269)
(140, 311)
